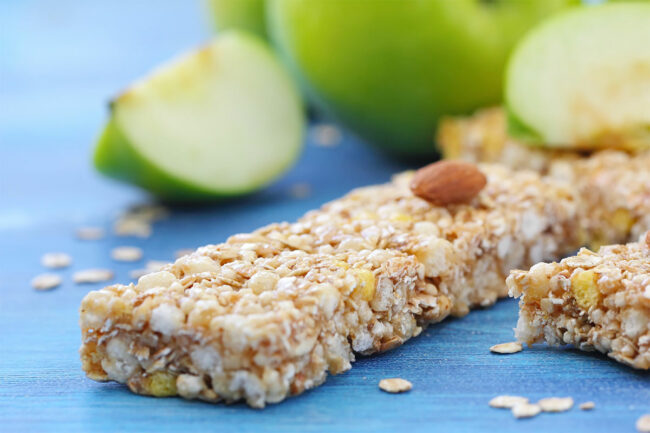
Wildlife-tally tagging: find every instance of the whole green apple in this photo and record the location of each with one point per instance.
(239, 15)
(389, 69)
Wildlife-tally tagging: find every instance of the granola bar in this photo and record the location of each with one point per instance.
(613, 186)
(592, 300)
(268, 314)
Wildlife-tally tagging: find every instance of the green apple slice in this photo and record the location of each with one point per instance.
(582, 79)
(221, 121)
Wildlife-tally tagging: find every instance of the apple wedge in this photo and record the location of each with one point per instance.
(582, 79)
(221, 121)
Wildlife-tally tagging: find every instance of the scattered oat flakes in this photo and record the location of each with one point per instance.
(183, 252)
(526, 410)
(46, 281)
(504, 348)
(300, 190)
(130, 226)
(556, 404)
(643, 423)
(92, 276)
(126, 254)
(395, 385)
(327, 135)
(507, 401)
(587, 405)
(56, 260)
(90, 233)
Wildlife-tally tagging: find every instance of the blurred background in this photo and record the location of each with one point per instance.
(361, 89)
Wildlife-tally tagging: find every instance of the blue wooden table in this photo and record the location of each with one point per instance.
(59, 63)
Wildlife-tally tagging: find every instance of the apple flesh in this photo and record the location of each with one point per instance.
(248, 15)
(582, 79)
(390, 69)
(221, 121)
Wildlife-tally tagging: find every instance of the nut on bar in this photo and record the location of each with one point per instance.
(613, 186)
(269, 314)
(592, 300)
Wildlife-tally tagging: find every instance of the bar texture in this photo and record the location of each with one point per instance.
(592, 300)
(268, 314)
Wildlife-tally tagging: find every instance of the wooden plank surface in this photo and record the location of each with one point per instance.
(59, 62)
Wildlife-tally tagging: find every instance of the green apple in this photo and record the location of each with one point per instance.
(239, 15)
(221, 121)
(389, 69)
(582, 79)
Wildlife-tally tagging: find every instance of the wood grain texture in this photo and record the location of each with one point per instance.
(60, 61)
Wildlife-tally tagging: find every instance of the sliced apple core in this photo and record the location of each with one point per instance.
(223, 120)
(582, 79)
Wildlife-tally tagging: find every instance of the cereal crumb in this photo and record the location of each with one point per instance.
(56, 260)
(126, 254)
(556, 404)
(504, 348)
(507, 401)
(326, 135)
(90, 233)
(395, 385)
(300, 190)
(587, 405)
(46, 281)
(526, 410)
(643, 423)
(92, 276)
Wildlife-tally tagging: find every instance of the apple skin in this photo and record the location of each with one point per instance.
(248, 15)
(116, 157)
(389, 70)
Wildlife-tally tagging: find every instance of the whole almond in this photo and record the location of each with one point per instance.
(448, 182)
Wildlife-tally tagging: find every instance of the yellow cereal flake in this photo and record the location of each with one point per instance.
(400, 217)
(365, 284)
(538, 287)
(622, 220)
(160, 384)
(585, 291)
(364, 215)
(341, 264)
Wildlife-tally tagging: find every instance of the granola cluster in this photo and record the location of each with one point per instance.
(268, 314)
(592, 300)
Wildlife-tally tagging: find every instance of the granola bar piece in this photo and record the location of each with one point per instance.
(251, 322)
(612, 185)
(592, 300)
(268, 314)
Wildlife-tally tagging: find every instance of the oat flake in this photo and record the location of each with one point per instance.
(395, 385)
(505, 348)
(507, 401)
(556, 404)
(56, 260)
(46, 281)
(126, 254)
